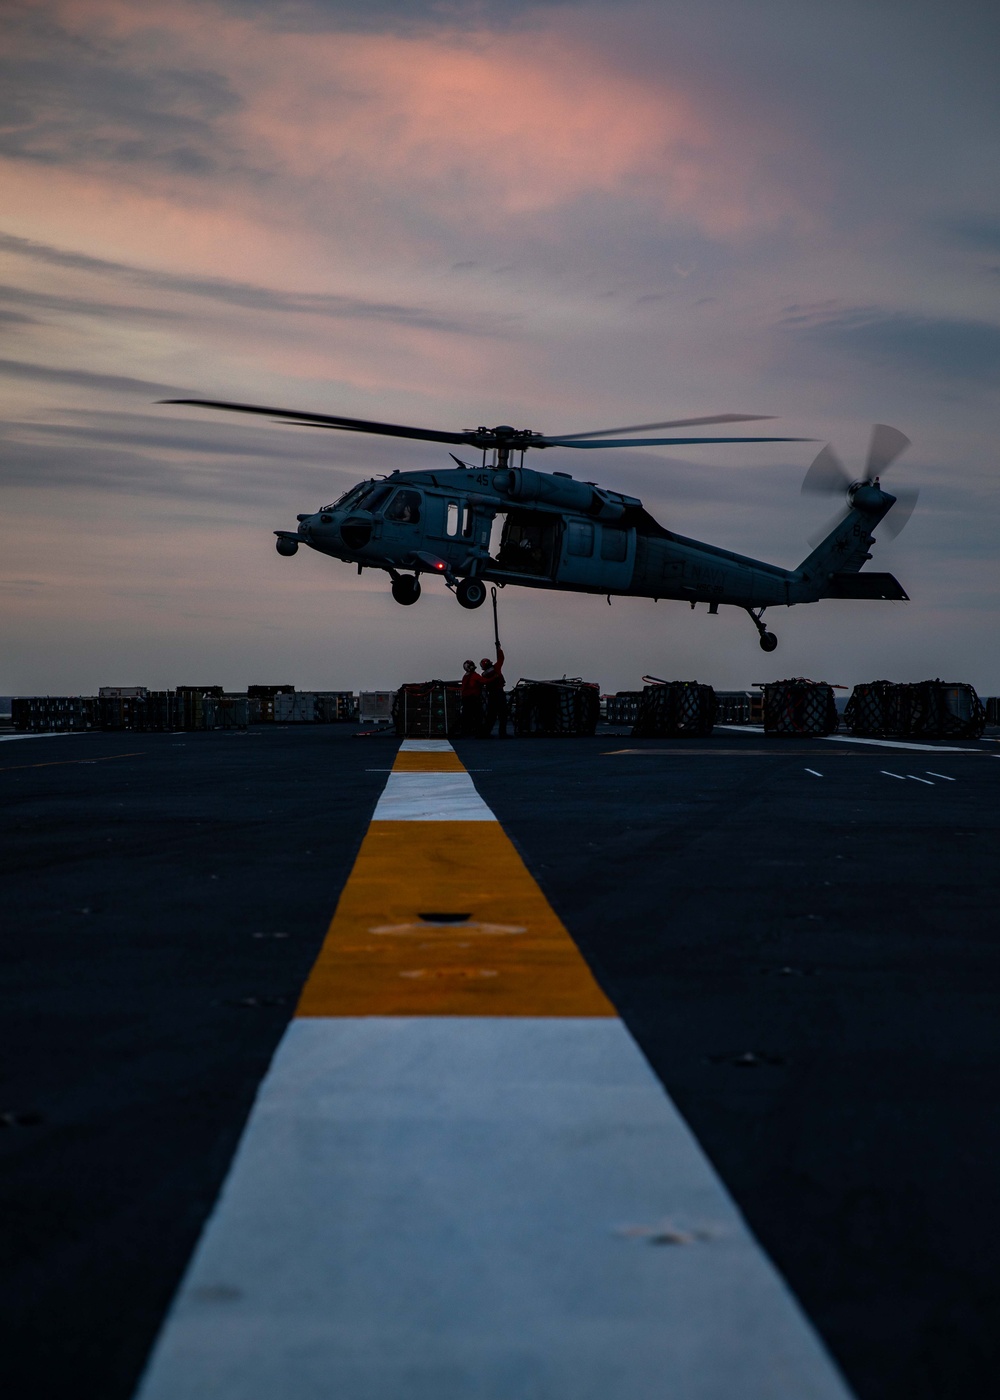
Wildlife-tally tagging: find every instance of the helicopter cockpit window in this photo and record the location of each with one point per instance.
(404, 507)
(580, 538)
(614, 544)
(373, 499)
(348, 498)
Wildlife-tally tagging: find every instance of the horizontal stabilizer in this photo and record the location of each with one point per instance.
(867, 585)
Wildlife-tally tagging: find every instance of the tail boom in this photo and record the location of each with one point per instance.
(833, 569)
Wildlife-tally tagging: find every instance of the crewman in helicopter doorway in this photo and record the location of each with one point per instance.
(496, 699)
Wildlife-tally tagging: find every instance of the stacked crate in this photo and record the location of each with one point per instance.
(734, 706)
(675, 709)
(800, 707)
(565, 707)
(336, 707)
(264, 695)
(376, 706)
(924, 710)
(295, 707)
(160, 714)
(191, 701)
(48, 714)
(622, 707)
(427, 709)
(122, 711)
(320, 707)
(224, 712)
(191, 707)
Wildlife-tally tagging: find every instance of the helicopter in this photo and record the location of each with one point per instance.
(507, 524)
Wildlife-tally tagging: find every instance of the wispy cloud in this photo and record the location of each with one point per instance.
(80, 306)
(167, 453)
(75, 88)
(85, 379)
(245, 294)
(975, 231)
(950, 347)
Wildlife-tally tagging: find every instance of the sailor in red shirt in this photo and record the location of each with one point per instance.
(472, 701)
(496, 700)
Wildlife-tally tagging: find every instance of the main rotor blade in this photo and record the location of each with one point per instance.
(895, 521)
(886, 445)
(325, 420)
(827, 476)
(656, 442)
(674, 423)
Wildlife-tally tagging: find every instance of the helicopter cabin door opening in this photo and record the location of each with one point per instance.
(529, 543)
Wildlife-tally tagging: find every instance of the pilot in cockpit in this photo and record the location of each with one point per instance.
(404, 508)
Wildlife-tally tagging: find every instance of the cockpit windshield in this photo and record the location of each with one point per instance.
(349, 498)
(368, 496)
(372, 499)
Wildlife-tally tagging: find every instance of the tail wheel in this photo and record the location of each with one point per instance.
(471, 593)
(406, 589)
(768, 641)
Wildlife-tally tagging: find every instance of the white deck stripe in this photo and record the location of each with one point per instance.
(445, 1208)
(894, 744)
(50, 734)
(850, 739)
(431, 797)
(426, 746)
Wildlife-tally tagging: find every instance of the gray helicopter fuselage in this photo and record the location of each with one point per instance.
(546, 530)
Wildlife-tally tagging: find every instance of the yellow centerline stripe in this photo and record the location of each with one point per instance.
(443, 918)
(446, 762)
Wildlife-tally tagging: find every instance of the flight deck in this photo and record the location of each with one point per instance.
(336, 1064)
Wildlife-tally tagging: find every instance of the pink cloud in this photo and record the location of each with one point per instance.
(460, 128)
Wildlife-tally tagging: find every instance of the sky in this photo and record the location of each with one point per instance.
(563, 216)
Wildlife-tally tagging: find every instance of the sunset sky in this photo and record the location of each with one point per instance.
(561, 216)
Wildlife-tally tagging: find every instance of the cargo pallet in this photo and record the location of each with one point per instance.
(675, 709)
(922, 710)
(428, 709)
(553, 708)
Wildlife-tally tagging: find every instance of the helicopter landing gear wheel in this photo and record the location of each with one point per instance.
(768, 641)
(406, 589)
(471, 593)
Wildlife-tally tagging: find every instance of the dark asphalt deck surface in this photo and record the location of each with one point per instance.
(809, 963)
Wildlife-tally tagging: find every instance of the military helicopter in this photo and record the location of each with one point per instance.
(501, 522)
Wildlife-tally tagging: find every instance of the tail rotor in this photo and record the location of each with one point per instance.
(827, 476)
